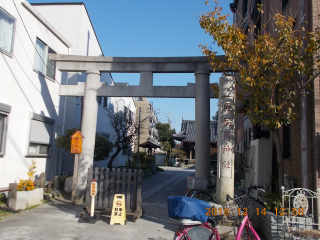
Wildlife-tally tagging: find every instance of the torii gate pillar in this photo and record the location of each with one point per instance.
(202, 141)
(88, 129)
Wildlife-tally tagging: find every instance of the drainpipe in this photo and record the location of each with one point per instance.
(303, 118)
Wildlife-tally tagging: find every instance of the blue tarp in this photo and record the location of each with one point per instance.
(190, 208)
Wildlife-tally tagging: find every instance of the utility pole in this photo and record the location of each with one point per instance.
(138, 138)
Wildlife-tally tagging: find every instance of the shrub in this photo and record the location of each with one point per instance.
(178, 154)
(102, 148)
(145, 161)
(3, 198)
(27, 185)
(62, 180)
(159, 169)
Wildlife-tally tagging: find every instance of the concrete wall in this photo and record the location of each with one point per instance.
(27, 91)
(160, 159)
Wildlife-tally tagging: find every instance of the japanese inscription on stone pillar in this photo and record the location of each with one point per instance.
(226, 130)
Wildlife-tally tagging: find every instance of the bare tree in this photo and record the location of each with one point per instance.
(125, 130)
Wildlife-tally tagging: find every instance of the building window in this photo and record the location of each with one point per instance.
(244, 8)
(137, 98)
(42, 64)
(7, 28)
(99, 100)
(4, 112)
(105, 102)
(284, 4)
(245, 140)
(286, 141)
(38, 149)
(41, 132)
(3, 131)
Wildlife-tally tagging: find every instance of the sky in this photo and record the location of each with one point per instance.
(154, 28)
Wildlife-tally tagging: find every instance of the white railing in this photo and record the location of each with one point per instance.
(299, 206)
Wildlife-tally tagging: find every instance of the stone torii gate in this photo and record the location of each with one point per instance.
(146, 66)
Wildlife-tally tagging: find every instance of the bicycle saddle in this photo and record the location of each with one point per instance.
(214, 220)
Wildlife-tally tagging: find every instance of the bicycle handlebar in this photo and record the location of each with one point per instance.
(228, 197)
(255, 187)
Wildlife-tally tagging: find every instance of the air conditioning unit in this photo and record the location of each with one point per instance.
(260, 164)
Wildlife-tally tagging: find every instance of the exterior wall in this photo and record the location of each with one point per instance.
(27, 92)
(146, 113)
(292, 165)
(144, 131)
(72, 20)
(314, 8)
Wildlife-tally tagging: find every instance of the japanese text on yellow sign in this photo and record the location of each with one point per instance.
(93, 189)
(118, 214)
(76, 143)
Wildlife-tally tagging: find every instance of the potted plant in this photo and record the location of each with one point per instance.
(27, 195)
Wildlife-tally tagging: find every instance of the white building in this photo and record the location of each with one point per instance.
(29, 100)
(73, 22)
(32, 114)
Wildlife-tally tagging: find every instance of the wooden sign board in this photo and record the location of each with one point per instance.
(93, 189)
(76, 142)
(118, 214)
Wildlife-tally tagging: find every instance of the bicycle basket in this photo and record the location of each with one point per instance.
(237, 208)
(196, 183)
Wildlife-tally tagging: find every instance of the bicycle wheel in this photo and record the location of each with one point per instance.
(204, 196)
(197, 233)
(190, 192)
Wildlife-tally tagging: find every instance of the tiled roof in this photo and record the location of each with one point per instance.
(188, 131)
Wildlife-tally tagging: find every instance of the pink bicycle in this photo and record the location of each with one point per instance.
(237, 209)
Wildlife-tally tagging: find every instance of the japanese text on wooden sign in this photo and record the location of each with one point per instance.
(93, 189)
(76, 142)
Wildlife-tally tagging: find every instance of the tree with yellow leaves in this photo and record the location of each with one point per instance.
(269, 67)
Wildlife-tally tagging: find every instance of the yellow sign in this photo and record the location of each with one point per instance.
(93, 189)
(118, 214)
(76, 142)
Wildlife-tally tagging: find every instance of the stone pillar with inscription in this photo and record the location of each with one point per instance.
(225, 177)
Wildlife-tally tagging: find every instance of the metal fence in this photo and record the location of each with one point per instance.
(300, 213)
